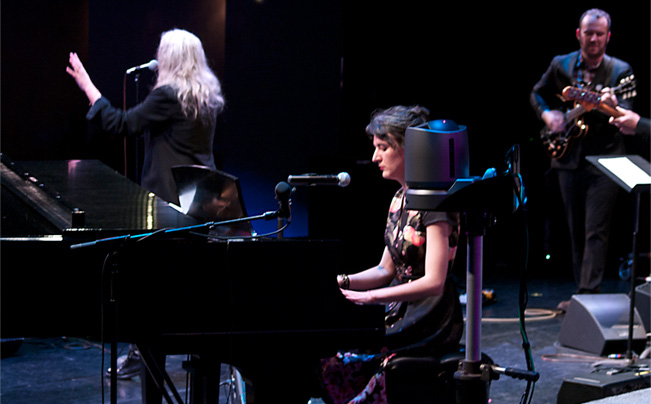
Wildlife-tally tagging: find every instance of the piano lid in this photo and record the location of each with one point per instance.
(81, 198)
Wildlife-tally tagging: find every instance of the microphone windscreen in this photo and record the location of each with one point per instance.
(283, 190)
(344, 179)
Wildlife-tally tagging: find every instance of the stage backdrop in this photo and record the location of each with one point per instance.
(301, 79)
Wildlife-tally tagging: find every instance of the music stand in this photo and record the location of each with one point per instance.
(212, 195)
(633, 173)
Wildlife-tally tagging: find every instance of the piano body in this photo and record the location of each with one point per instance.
(267, 306)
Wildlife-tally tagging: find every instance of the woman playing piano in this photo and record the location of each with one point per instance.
(423, 312)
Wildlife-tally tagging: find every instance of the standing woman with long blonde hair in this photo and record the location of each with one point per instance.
(177, 118)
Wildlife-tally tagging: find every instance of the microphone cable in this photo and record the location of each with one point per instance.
(523, 297)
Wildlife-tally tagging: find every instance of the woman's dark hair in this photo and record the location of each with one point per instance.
(390, 124)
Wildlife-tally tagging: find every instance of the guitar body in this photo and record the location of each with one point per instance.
(557, 144)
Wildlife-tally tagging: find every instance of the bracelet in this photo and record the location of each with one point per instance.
(345, 281)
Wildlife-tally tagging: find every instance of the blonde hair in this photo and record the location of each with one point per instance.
(182, 65)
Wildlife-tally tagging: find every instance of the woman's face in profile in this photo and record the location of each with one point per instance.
(390, 160)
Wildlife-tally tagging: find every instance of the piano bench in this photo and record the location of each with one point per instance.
(425, 379)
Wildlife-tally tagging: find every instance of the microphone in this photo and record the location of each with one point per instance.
(342, 179)
(151, 65)
(283, 192)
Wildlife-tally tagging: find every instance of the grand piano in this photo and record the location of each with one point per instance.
(88, 253)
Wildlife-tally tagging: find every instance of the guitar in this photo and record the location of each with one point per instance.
(558, 142)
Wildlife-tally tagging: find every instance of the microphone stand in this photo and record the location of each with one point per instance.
(127, 237)
(631, 319)
(281, 224)
(136, 142)
(630, 359)
(113, 295)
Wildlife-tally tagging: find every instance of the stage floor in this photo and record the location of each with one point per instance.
(56, 370)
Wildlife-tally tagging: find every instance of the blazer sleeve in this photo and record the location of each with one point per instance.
(643, 129)
(159, 106)
(545, 94)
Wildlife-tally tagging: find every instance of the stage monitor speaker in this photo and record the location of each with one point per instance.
(599, 324)
(600, 384)
(643, 303)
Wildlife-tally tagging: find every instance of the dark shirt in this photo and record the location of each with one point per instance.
(170, 138)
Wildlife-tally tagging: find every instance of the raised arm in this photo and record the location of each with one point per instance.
(78, 72)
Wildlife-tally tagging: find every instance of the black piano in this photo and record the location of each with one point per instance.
(86, 253)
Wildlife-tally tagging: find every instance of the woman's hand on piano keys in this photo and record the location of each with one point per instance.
(359, 297)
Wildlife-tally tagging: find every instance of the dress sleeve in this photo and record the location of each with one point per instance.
(451, 218)
(430, 218)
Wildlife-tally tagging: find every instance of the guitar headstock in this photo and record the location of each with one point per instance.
(588, 99)
(626, 87)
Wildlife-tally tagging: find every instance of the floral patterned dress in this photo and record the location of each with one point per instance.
(427, 326)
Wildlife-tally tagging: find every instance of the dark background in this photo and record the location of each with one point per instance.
(300, 80)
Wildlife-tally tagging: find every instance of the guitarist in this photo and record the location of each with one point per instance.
(589, 196)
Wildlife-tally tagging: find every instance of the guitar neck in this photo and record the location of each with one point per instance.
(575, 112)
(588, 100)
(607, 109)
(579, 110)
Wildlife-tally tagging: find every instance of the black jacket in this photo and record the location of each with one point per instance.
(171, 138)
